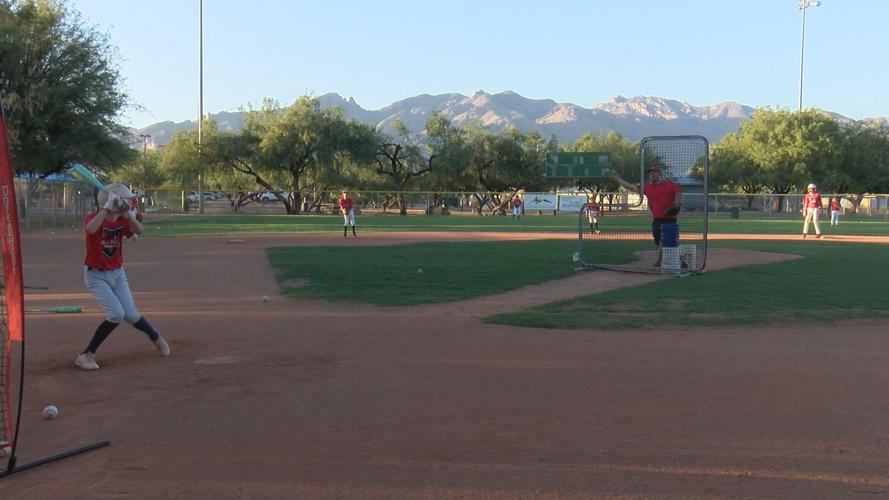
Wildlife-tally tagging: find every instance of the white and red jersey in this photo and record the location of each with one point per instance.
(345, 204)
(834, 205)
(661, 195)
(812, 200)
(104, 248)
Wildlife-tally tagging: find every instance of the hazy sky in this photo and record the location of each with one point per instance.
(583, 52)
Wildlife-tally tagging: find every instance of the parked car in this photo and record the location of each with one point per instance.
(208, 196)
(269, 196)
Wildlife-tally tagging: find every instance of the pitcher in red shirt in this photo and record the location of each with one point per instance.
(664, 200)
(811, 208)
(103, 273)
(345, 203)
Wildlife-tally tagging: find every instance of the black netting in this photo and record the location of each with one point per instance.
(625, 239)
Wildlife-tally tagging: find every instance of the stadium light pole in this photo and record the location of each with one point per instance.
(803, 5)
(200, 103)
(145, 138)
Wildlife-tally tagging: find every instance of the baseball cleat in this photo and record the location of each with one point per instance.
(86, 361)
(162, 346)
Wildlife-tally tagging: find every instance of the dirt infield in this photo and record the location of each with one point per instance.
(303, 399)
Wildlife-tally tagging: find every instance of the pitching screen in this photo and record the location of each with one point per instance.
(636, 231)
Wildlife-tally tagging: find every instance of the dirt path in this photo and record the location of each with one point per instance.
(293, 399)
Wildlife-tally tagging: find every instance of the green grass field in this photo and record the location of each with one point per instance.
(209, 225)
(419, 273)
(833, 281)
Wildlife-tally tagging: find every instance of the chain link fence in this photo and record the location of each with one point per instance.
(48, 204)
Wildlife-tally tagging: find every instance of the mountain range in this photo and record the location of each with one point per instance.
(633, 118)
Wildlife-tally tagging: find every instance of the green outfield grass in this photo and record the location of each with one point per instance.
(832, 282)
(418, 273)
(209, 225)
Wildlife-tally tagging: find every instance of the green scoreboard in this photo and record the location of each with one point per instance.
(573, 165)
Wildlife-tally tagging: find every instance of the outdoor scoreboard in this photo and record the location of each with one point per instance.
(574, 165)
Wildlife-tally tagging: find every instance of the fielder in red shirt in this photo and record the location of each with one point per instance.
(516, 207)
(103, 273)
(835, 211)
(664, 201)
(345, 204)
(811, 208)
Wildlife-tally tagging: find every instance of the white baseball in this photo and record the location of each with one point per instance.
(50, 412)
(265, 298)
(420, 270)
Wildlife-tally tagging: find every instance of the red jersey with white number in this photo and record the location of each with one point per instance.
(346, 204)
(104, 248)
(812, 200)
(660, 197)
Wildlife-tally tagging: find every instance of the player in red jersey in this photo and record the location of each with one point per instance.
(811, 208)
(835, 211)
(345, 203)
(664, 200)
(516, 207)
(103, 271)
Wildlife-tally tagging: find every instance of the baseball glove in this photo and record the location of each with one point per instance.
(673, 211)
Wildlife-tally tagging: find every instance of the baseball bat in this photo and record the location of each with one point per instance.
(82, 172)
(56, 309)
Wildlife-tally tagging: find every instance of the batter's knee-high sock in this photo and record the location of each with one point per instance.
(345, 231)
(102, 332)
(149, 330)
(353, 231)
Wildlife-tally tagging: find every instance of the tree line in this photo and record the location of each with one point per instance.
(62, 94)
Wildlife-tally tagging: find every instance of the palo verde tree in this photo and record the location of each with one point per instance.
(61, 89)
(864, 164)
(448, 146)
(402, 161)
(731, 169)
(302, 140)
(499, 165)
(790, 148)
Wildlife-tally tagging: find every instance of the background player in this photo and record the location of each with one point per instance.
(592, 211)
(516, 206)
(348, 215)
(103, 271)
(835, 211)
(664, 201)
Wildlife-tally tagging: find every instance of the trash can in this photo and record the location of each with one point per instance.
(670, 247)
(669, 235)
